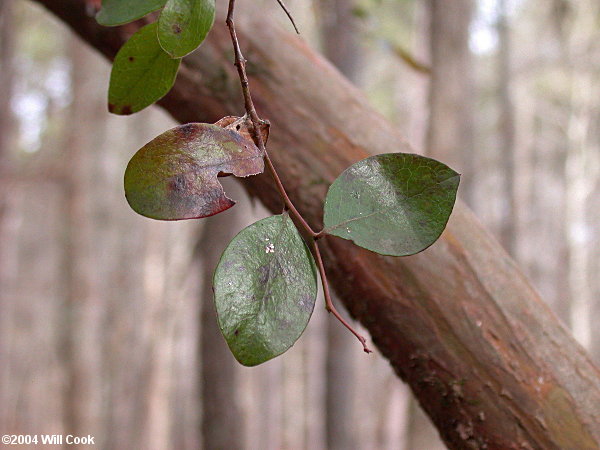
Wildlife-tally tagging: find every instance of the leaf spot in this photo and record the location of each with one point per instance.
(270, 248)
(131, 59)
(176, 28)
(306, 303)
(177, 183)
(187, 131)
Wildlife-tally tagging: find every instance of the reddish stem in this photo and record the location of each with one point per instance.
(329, 303)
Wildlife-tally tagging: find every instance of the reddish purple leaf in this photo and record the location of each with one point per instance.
(174, 176)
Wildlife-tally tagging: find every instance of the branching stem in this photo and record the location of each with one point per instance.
(240, 64)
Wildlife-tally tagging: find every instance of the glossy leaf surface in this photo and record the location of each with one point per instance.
(394, 204)
(142, 73)
(118, 12)
(183, 25)
(265, 289)
(174, 176)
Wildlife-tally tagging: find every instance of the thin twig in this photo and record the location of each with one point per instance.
(286, 198)
(240, 63)
(289, 14)
(329, 303)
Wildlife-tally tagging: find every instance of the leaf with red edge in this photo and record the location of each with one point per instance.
(174, 176)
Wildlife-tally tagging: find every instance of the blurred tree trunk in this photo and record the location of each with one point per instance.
(222, 425)
(79, 323)
(579, 186)
(488, 360)
(8, 235)
(508, 228)
(7, 78)
(340, 35)
(582, 167)
(340, 414)
(30, 196)
(340, 43)
(451, 89)
(7, 122)
(540, 148)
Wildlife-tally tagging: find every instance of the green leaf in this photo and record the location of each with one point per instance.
(394, 204)
(142, 73)
(183, 25)
(265, 289)
(174, 176)
(118, 12)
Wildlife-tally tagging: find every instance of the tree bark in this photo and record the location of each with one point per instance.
(487, 359)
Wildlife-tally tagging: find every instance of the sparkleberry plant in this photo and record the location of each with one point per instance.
(265, 284)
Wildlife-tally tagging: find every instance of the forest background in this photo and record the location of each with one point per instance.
(106, 321)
